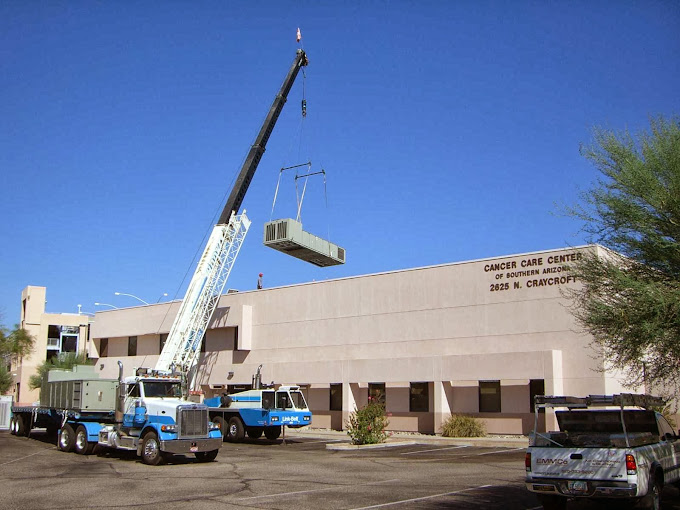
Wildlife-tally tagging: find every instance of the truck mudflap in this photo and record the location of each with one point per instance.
(582, 488)
(182, 446)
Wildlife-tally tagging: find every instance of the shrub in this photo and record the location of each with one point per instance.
(367, 425)
(460, 425)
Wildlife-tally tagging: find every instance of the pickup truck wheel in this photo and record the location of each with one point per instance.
(66, 438)
(254, 432)
(151, 449)
(653, 498)
(206, 456)
(552, 502)
(272, 433)
(81, 445)
(236, 429)
(222, 424)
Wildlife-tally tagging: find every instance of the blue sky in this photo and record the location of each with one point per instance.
(449, 131)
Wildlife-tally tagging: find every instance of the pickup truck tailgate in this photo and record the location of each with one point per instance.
(579, 463)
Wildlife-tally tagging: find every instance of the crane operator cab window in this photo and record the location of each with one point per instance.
(290, 400)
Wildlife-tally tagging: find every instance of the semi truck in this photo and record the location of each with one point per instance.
(144, 413)
(258, 411)
(615, 449)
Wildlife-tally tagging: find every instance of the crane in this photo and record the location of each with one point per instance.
(182, 346)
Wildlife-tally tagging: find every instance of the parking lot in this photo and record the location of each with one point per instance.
(301, 474)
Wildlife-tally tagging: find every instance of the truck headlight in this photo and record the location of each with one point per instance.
(214, 426)
(169, 428)
(275, 418)
(306, 418)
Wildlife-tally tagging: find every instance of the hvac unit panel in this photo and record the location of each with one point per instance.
(83, 395)
(288, 237)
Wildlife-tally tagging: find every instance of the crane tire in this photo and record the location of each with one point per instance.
(236, 430)
(272, 433)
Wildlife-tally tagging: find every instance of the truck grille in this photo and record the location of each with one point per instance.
(192, 421)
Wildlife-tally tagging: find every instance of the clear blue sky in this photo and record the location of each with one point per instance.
(449, 131)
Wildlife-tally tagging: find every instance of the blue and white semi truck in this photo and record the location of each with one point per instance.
(262, 410)
(145, 413)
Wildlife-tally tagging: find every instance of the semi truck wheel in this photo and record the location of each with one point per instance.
(236, 429)
(13, 426)
(81, 445)
(151, 449)
(22, 425)
(222, 424)
(254, 432)
(272, 433)
(66, 438)
(206, 456)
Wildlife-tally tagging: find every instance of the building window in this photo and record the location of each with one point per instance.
(164, 338)
(376, 391)
(489, 396)
(132, 346)
(103, 347)
(336, 397)
(419, 397)
(536, 387)
(69, 343)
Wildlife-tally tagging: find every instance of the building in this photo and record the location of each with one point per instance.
(479, 337)
(54, 333)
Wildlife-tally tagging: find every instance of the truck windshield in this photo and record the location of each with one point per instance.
(298, 400)
(171, 389)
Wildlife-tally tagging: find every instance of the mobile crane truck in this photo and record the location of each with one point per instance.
(259, 410)
(144, 413)
(148, 412)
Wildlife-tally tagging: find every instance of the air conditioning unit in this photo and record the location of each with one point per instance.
(288, 237)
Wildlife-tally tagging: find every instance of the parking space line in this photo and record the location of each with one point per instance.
(497, 451)
(335, 487)
(25, 457)
(412, 500)
(438, 449)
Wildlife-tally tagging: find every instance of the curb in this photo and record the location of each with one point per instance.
(345, 446)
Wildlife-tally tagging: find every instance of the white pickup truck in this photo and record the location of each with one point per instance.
(607, 447)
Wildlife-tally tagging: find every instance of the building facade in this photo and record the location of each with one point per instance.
(479, 337)
(54, 334)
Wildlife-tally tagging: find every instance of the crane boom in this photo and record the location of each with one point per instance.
(182, 347)
(257, 149)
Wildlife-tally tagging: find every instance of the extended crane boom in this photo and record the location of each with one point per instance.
(257, 149)
(182, 346)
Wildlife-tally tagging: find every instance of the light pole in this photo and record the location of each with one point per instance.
(131, 295)
(106, 304)
(165, 294)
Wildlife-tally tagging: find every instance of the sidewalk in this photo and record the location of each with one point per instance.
(342, 440)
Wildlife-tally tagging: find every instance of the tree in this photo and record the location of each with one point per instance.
(630, 296)
(14, 344)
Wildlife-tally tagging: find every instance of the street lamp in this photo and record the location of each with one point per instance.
(106, 304)
(131, 295)
(165, 294)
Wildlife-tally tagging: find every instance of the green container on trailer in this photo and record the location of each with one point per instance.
(79, 389)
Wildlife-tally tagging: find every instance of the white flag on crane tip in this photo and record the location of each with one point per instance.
(299, 35)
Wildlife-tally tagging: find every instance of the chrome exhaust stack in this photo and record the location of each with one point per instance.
(120, 395)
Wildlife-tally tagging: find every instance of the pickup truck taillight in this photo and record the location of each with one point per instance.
(631, 465)
(527, 461)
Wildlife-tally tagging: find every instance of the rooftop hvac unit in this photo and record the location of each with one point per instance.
(288, 237)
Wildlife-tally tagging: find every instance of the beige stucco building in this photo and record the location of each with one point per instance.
(53, 333)
(478, 337)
